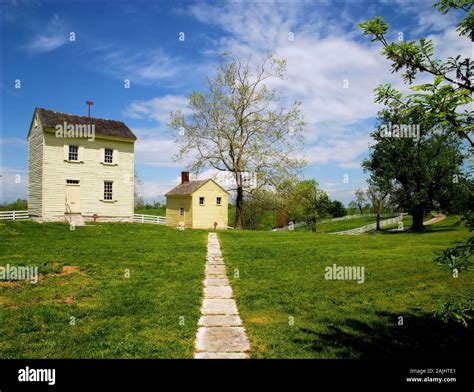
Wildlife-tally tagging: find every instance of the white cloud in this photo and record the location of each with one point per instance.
(156, 151)
(158, 108)
(343, 152)
(321, 58)
(52, 36)
(154, 190)
(143, 66)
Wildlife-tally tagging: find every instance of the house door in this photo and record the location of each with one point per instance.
(73, 196)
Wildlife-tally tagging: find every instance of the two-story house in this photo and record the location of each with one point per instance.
(80, 168)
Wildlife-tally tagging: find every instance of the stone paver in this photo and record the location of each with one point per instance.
(218, 320)
(221, 356)
(222, 339)
(221, 334)
(218, 292)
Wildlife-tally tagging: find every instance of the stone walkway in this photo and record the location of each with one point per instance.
(220, 333)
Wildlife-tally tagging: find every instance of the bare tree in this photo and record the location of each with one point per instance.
(237, 126)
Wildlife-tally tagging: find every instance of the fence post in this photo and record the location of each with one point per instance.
(143, 219)
(13, 215)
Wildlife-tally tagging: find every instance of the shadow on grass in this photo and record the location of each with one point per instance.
(418, 337)
(426, 231)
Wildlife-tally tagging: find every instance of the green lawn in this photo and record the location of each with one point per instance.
(115, 316)
(288, 308)
(280, 282)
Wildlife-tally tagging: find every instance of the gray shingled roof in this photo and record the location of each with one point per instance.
(186, 188)
(49, 119)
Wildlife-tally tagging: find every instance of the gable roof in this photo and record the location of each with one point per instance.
(189, 187)
(113, 128)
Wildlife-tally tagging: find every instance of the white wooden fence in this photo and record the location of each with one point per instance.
(158, 220)
(14, 215)
(342, 218)
(372, 226)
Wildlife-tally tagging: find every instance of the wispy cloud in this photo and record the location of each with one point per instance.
(52, 36)
(146, 67)
(158, 108)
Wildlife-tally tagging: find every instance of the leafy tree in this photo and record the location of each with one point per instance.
(237, 126)
(18, 205)
(309, 203)
(258, 207)
(446, 100)
(449, 96)
(418, 173)
(337, 209)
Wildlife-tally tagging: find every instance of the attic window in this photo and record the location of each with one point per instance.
(218, 201)
(201, 201)
(73, 153)
(108, 155)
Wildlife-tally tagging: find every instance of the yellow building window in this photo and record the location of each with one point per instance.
(201, 201)
(218, 201)
(73, 153)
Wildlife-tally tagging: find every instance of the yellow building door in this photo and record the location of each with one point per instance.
(73, 196)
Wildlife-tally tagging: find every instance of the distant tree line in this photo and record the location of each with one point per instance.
(17, 205)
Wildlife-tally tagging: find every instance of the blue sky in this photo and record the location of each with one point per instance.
(139, 41)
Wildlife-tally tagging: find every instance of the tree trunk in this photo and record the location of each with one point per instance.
(417, 224)
(238, 207)
(378, 222)
(360, 209)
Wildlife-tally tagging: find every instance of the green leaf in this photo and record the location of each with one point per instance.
(438, 79)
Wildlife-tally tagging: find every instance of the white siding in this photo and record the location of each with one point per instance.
(91, 172)
(35, 170)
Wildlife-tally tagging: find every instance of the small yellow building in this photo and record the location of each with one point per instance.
(80, 168)
(199, 204)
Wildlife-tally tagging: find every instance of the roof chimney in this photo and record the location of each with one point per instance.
(184, 177)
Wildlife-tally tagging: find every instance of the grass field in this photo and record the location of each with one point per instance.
(288, 308)
(115, 316)
(291, 311)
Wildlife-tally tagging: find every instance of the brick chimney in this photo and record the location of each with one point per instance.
(184, 177)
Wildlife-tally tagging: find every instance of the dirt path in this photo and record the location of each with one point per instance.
(436, 219)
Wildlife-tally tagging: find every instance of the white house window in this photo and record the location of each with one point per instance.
(218, 200)
(108, 155)
(181, 211)
(201, 201)
(72, 182)
(73, 153)
(107, 190)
